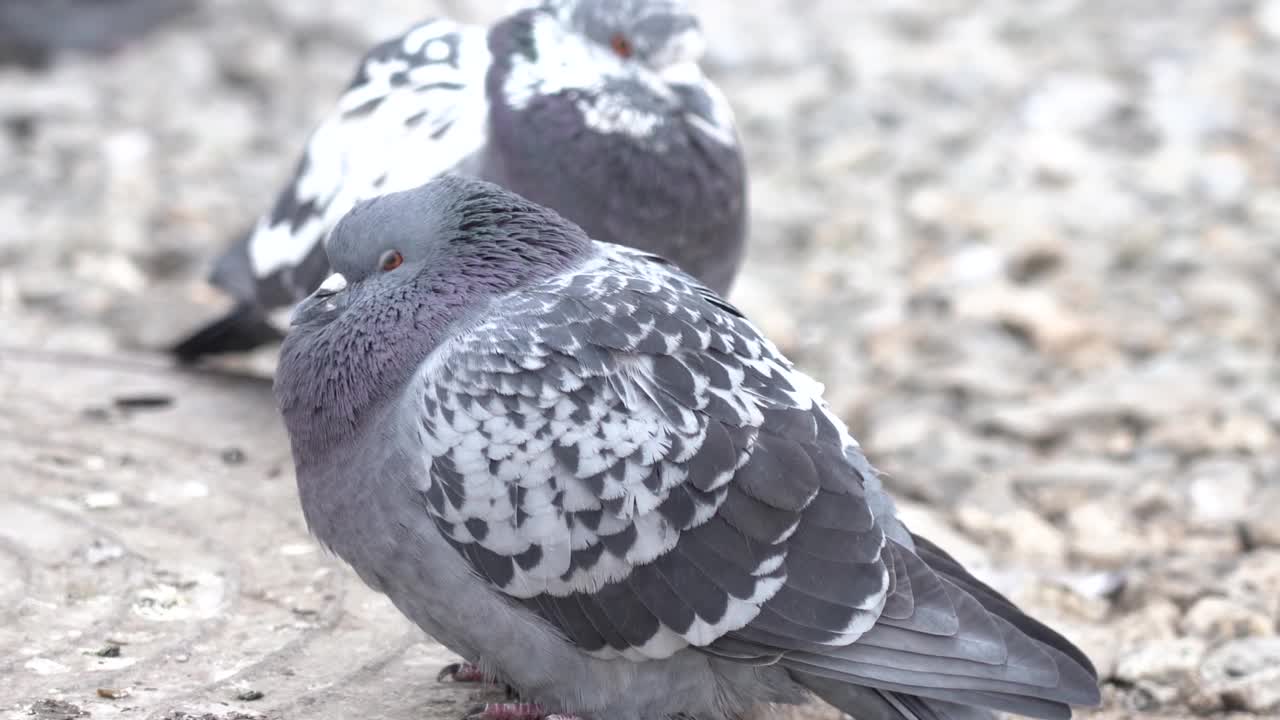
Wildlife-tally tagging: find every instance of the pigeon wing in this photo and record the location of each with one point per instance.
(416, 109)
(623, 453)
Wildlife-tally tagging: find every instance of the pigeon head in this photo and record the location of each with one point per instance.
(619, 35)
(599, 109)
(407, 267)
(655, 34)
(450, 238)
(615, 60)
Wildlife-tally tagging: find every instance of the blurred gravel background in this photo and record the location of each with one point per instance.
(1031, 247)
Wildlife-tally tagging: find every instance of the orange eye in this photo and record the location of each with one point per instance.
(391, 260)
(621, 45)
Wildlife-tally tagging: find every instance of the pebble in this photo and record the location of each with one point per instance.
(1255, 582)
(1217, 619)
(1103, 535)
(103, 499)
(1049, 325)
(1245, 674)
(1267, 15)
(1036, 540)
(1262, 520)
(1224, 178)
(1163, 662)
(1071, 102)
(1221, 491)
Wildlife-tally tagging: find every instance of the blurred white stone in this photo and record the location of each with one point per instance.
(1071, 102)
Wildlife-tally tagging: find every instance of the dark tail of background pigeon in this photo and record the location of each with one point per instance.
(241, 330)
(901, 685)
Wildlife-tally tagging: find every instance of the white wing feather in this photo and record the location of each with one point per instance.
(428, 116)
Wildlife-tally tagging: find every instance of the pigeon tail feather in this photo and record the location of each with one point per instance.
(867, 703)
(242, 329)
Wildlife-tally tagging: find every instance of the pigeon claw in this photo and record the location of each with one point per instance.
(465, 672)
(513, 711)
(461, 672)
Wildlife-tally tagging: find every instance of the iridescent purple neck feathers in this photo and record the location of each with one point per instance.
(462, 243)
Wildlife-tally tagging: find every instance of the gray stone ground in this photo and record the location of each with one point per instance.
(1031, 247)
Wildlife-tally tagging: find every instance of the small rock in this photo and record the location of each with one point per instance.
(1034, 537)
(1211, 431)
(102, 552)
(1262, 522)
(1221, 491)
(102, 500)
(1255, 582)
(1155, 622)
(1058, 158)
(45, 666)
(1103, 533)
(1182, 579)
(233, 715)
(1096, 586)
(1217, 619)
(114, 693)
(1071, 102)
(975, 264)
(143, 401)
(1245, 674)
(1056, 486)
(1029, 422)
(1163, 662)
(1035, 258)
(249, 695)
(929, 205)
(1096, 640)
(1267, 16)
(1224, 178)
(55, 710)
(1049, 325)
(976, 380)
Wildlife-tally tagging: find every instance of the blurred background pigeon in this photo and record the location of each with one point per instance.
(32, 32)
(581, 469)
(594, 107)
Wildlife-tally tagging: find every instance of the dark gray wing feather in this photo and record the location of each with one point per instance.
(665, 461)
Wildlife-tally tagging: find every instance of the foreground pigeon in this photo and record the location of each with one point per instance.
(582, 470)
(596, 108)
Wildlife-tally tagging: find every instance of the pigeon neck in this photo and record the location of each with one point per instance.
(330, 382)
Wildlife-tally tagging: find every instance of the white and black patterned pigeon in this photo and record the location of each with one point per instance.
(585, 472)
(597, 108)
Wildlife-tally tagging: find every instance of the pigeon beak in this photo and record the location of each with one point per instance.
(705, 106)
(327, 299)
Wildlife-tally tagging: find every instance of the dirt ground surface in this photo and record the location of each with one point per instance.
(1030, 247)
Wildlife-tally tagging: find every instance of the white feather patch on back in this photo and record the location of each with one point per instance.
(425, 126)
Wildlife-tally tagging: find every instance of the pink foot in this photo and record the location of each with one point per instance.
(513, 711)
(465, 672)
(462, 672)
